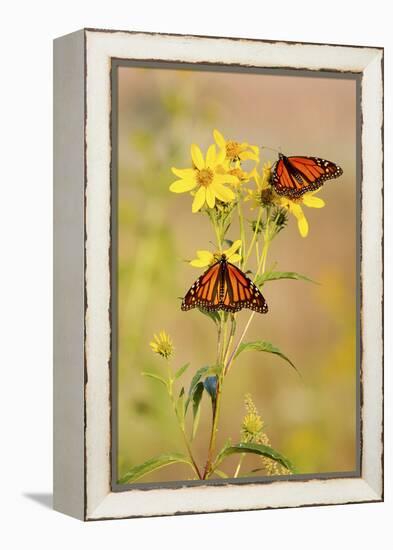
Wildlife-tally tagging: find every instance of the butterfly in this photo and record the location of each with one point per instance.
(293, 176)
(224, 286)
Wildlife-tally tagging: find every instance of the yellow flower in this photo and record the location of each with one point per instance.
(234, 150)
(206, 258)
(162, 345)
(251, 427)
(252, 431)
(243, 177)
(207, 177)
(264, 194)
(263, 180)
(294, 206)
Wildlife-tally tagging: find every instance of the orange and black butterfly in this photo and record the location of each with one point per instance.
(224, 286)
(293, 176)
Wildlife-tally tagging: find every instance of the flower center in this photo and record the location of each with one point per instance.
(233, 149)
(238, 172)
(266, 196)
(252, 425)
(165, 349)
(205, 177)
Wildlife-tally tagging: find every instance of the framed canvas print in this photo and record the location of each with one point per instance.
(218, 274)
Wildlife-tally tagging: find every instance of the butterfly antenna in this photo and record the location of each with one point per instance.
(271, 149)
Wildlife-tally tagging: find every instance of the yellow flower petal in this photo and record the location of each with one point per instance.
(183, 172)
(234, 248)
(219, 139)
(225, 178)
(296, 210)
(162, 345)
(223, 193)
(203, 260)
(248, 155)
(302, 224)
(182, 186)
(235, 258)
(220, 158)
(211, 157)
(313, 202)
(197, 157)
(198, 263)
(199, 199)
(210, 196)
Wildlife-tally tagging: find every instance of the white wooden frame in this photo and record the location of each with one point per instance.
(82, 437)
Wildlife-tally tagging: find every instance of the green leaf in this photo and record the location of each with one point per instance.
(264, 346)
(275, 275)
(213, 315)
(254, 448)
(210, 383)
(195, 379)
(221, 474)
(227, 225)
(196, 406)
(181, 371)
(180, 409)
(153, 464)
(221, 455)
(156, 377)
(214, 370)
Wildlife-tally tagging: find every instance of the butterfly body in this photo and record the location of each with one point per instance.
(294, 176)
(224, 287)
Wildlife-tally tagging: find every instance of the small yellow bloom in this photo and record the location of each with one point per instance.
(207, 177)
(206, 258)
(294, 206)
(251, 427)
(252, 431)
(263, 194)
(162, 345)
(234, 150)
(243, 177)
(263, 180)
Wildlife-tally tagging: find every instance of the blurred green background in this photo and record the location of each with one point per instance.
(161, 112)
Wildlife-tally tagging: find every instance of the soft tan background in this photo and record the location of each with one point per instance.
(161, 112)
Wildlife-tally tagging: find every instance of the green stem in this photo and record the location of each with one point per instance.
(219, 331)
(261, 268)
(254, 237)
(221, 348)
(182, 429)
(213, 434)
(225, 336)
(217, 231)
(242, 231)
(217, 405)
(239, 465)
(232, 356)
(231, 337)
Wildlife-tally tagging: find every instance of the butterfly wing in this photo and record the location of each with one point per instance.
(294, 176)
(205, 292)
(224, 286)
(240, 292)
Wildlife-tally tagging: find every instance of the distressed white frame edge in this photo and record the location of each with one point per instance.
(69, 272)
(100, 501)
